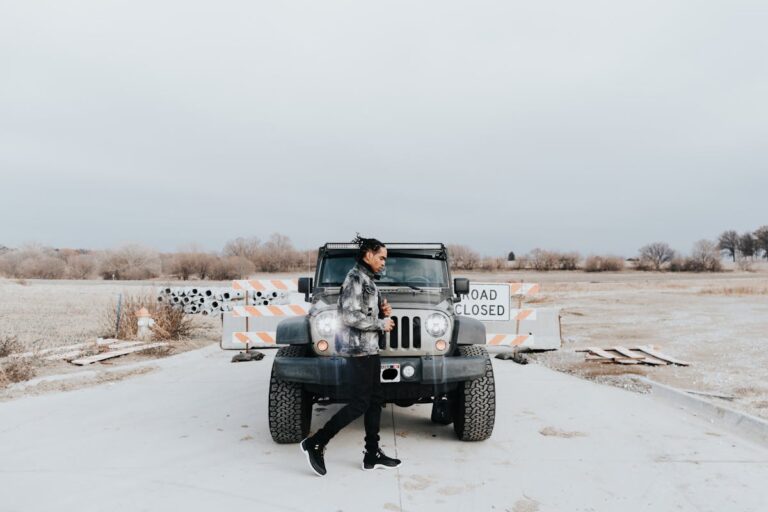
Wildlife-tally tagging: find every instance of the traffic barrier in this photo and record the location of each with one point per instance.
(512, 340)
(522, 314)
(255, 339)
(524, 288)
(258, 311)
(263, 285)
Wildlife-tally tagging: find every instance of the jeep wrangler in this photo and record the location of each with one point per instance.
(432, 356)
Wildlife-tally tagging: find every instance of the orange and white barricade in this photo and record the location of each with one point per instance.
(266, 285)
(259, 311)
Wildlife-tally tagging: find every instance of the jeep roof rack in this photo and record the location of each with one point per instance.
(396, 245)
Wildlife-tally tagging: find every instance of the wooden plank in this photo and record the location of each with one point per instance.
(628, 353)
(115, 353)
(658, 355)
(603, 353)
(626, 360)
(653, 361)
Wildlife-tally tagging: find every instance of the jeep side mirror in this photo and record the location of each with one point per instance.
(461, 286)
(305, 287)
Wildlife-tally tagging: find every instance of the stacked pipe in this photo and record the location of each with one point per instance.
(200, 300)
(207, 301)
(268, 298)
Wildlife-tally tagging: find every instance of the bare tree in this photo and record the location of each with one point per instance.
(248, 248)
(761, 241)
(462, 257)
(705, 257)
(657, 254)
(728, 242)
(130, 262)
(747, 245)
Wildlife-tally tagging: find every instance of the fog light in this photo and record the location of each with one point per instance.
(441, 345)
(322, 345)
(408, 371)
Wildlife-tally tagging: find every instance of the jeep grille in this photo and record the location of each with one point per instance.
(405, 335)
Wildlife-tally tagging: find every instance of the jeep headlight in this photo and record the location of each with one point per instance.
(326, 323)
(437, 324)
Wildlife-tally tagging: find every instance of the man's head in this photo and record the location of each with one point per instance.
(372, 252)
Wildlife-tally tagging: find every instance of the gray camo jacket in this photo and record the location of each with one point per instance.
(360, 325)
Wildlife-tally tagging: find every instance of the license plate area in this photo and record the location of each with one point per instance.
(390, 372)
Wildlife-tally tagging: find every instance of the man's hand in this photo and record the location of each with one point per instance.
(389, 324)
(386, 308)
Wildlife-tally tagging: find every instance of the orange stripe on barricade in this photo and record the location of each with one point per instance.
(497, 339)
(262, 311)
(507, 339)
(265, 337)
(523, 314)
(255, 338)
(297, 309)
(260, 285)
(524, 288)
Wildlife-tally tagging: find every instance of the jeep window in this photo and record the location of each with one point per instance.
(401, 269)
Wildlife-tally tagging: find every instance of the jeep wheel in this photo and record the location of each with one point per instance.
(290, 407)
(475, 408)
(442, 412)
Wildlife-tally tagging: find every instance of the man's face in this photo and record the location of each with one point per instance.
(376, 260)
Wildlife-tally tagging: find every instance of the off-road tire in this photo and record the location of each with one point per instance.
(290, 407)
(475, 406)
(442, 412)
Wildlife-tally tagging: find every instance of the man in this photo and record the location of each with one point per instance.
(358, 341)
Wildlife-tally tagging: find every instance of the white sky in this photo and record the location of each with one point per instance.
(595, 126)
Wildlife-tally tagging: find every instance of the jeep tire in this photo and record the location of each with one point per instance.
(290, 407)
(475, 405)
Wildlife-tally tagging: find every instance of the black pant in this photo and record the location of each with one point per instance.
(367, 398)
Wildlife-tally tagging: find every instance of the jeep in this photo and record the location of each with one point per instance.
(432, 356)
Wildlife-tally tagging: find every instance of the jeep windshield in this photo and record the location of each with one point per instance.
(412, 270)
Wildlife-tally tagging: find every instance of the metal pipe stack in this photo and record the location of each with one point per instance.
(210, 301)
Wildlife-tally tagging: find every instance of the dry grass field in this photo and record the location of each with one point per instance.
(717, 322)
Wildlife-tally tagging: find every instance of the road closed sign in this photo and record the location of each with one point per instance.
(485, 301)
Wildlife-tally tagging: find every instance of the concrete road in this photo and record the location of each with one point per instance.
(193, 436)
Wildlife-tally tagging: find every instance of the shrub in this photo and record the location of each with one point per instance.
(462, 257)
(130, 262)
(603, 264)
(542, 260)
(9, 345)
(16, 370)
(81, 266)
(170, 322)
(568, 260)
(231, 267)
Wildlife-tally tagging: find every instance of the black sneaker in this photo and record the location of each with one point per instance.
(377, 459)
(314, 453)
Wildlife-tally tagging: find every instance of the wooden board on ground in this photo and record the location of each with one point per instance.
(646, 354)
(115, 353)
(658, 355)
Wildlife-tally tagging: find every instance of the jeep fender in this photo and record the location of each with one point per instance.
(294, 331)
(468, 331)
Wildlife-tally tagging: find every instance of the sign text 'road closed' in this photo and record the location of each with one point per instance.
(485, 301)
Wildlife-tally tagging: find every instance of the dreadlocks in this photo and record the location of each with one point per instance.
(366, 244)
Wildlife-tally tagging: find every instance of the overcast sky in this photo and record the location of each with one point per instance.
(595, 126)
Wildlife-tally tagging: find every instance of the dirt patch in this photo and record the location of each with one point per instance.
(556, 432)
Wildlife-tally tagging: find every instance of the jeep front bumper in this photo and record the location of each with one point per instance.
(330, 371)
